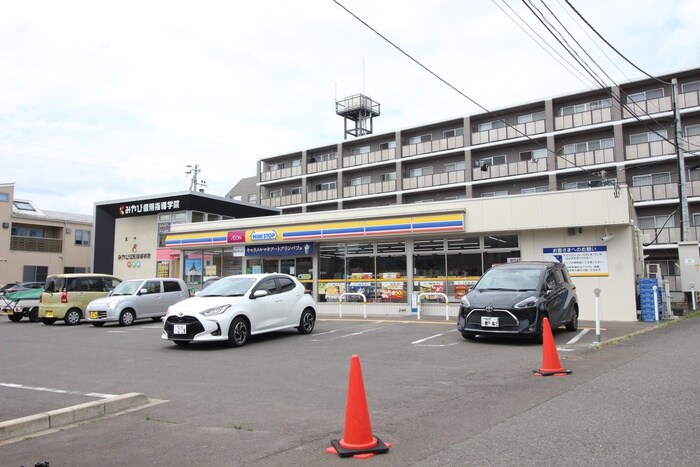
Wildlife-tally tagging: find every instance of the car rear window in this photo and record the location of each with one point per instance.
(286, 284)
(54, 284)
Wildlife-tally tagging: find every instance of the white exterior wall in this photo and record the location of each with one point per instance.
(142, 232)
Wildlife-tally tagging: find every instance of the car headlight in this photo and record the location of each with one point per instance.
(529, 302)
(464, 302)
(214, 311)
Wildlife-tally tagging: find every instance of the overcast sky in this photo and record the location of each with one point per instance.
(108, 100)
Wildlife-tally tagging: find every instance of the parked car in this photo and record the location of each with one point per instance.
(7, 286)
(19, 286)
(511, 299)
(137, 299)
(236, 307)
(66, 296)
(23, 303)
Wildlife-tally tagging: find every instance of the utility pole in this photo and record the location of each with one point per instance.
(194, 184)
(680, 154)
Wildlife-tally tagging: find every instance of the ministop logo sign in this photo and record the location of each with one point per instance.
(265, 235)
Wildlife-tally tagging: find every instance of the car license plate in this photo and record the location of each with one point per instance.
(49, 314)
(180, 329)
(9, 311)
(93, 315)
(489, 321)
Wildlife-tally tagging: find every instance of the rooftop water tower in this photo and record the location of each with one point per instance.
(361, 110)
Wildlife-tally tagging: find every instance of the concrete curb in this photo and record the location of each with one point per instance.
(77, 413)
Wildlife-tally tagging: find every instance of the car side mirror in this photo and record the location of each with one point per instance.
(259, 293)
(143, 291)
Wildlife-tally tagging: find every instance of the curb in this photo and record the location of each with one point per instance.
(66, 416)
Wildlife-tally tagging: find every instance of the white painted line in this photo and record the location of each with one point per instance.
(431, 337)
(118, 332)
(361, 332)
(578, 337)
(56, 391)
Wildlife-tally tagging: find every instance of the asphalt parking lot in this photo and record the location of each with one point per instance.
(277, 401)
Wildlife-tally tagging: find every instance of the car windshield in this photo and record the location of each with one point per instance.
(228, 287)
(127, 288)
(520, 279)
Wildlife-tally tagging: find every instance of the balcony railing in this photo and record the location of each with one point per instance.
(442, 144)
(651, 106)
(691, 143)
(285, 200)
(653, 149)
(369, 189)
(322, 195)
(280, 173)
(369, 158)
(581, 159)
(689, 99)
(514, 131)
(322, 166)
(590, 117)
(42, 245)
(662, 191)
(513, 168)
(445, 178)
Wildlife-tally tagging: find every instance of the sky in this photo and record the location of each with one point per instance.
(102, 101)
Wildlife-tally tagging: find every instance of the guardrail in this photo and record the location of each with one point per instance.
(426, 294)
(355, 294)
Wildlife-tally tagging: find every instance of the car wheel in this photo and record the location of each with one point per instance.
(72, 317)
(14, 317)
(573, 324)
(98, 325)
(127, 317)
(468, 335)
(307, 321)
(238, 333)
(34, 315)
(182, 343)
(48, 321)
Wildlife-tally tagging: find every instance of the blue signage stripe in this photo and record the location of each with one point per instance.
(302, 233)
(378, 228)
(432, 225)
(346, 230)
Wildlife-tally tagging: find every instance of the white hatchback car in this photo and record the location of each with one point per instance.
(137, 299)
(236, 307)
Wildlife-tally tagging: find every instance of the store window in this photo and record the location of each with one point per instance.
(429, 267)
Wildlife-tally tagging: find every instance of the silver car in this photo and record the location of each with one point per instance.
(137, 299)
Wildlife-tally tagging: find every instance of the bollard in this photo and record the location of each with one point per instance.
(656, 303)
(597, 315)
(693, 298)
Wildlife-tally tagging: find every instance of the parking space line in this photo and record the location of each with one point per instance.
(56, 391)
(578, 337)
(420, 341)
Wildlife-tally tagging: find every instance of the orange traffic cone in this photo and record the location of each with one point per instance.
(358, 440)
(550, 358)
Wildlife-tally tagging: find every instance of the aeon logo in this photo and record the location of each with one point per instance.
(264, 235)
(235, 236)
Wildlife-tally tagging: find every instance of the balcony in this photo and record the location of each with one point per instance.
(369, 158)
(662, 191)
(582, 159)
(37, 244)
(590, 117)
(689, 99)
(369, 189)
(691, 143)
(651, 106)
(513, 168)
(442, 144)
(653, 149)
(508, 132)
(286, 200)
(667, 235)
(322, 195)
(322, 166)
(424, 181)
(277, 174)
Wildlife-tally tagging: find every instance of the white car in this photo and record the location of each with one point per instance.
(236, 307)
(137, 299)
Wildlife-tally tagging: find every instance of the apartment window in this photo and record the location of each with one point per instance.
(491, 125)
(648, 137)
(453, 166)
(493, 160)
(534, 155)
(533, 117)
(296, 190)
(252, 198)
(359, 150)
(420, 139)
(645, 95)
(420, 171)
(387, 145)
(452, 133)
(693, 86)
(491, 194)
(534, 189)
(651, 179)
(24, 206)
(593, 145)
(4, 197)
(692, 130)
(585, 107)
(324, 157)
(28, 232)
(325, 186)
(387, 177)
(82, 237)
(275, 166)
(656, 222)
(275, 193)
(366, 180)
(35, 273)
(696, 219)
(296, 163)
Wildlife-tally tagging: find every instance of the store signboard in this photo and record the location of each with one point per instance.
(581, 261)
(280, 249)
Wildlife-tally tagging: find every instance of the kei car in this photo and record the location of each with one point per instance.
(236, 307)
(512, 300)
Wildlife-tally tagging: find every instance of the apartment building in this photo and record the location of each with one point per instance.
(622, 136)
(35, 242)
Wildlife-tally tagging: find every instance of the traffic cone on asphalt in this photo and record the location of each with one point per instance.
(550, 358)
(358, 440)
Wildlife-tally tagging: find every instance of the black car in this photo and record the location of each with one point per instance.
(511, 299)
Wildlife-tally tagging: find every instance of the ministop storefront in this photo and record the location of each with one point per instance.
(392, 253)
